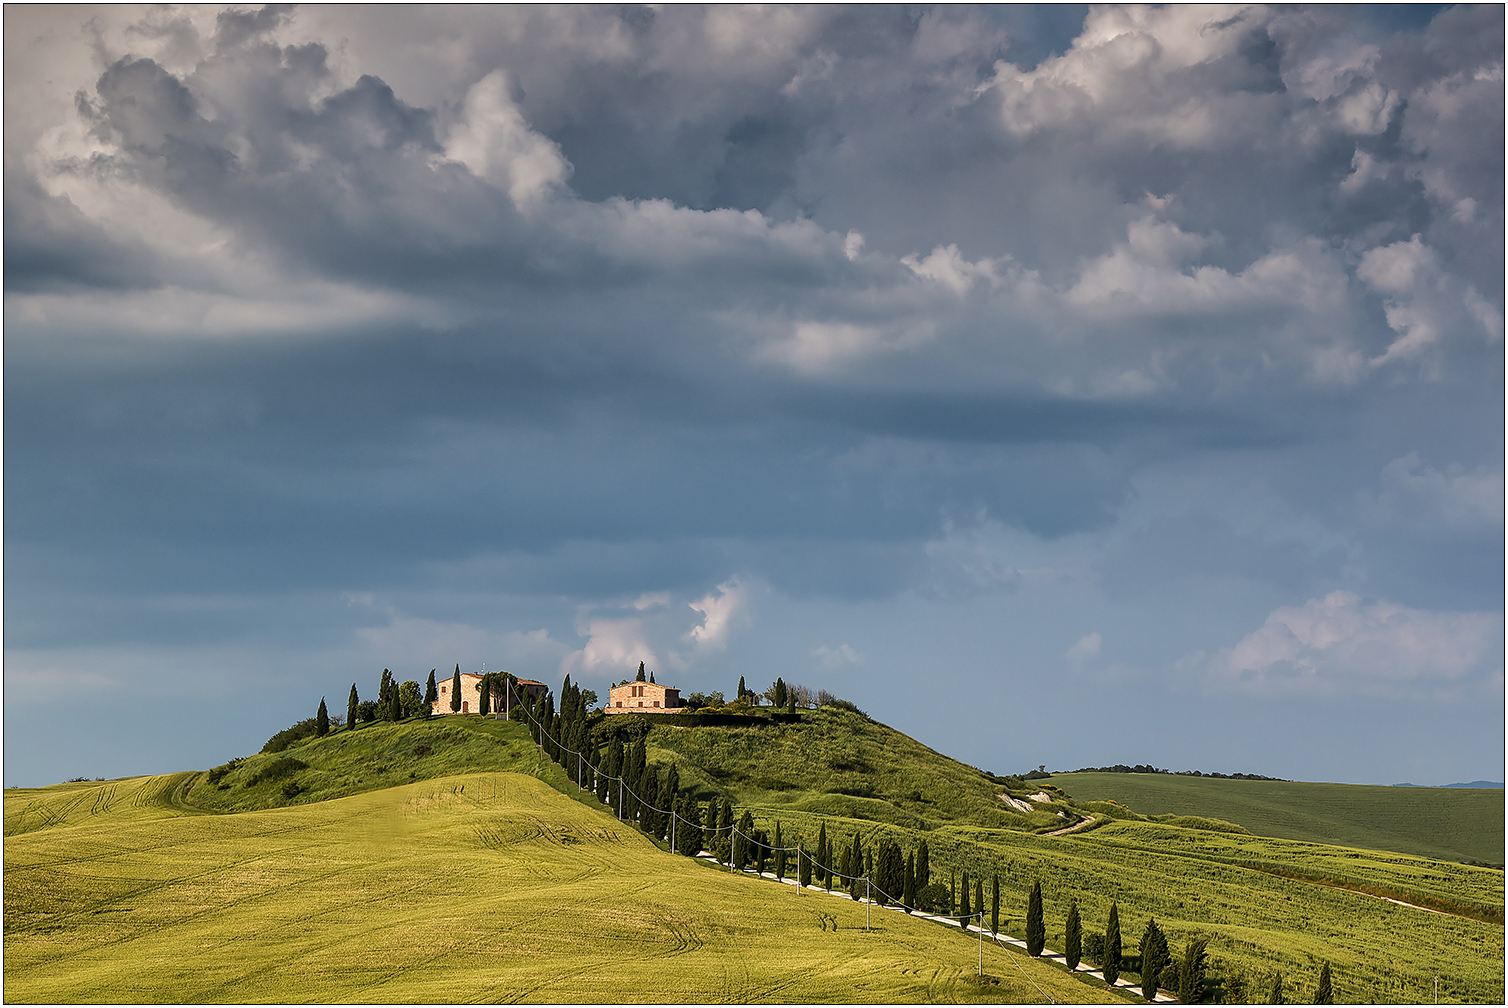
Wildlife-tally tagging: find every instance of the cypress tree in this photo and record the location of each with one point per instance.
(779, 854)
(688, 835)
(1073, 938)
(1191, 973)
(1324, 995)
(741, 844)
(856, 869)
(353, 706)
(952, 892)
(606, 786)
(803, 866)
(964, 910)
(640, 676)
(431, 691)
(887, 874)
(761, 850)
(321, 719)
(823, 871)
(1275, 995)
(385, 696)
(484, 695)
(1112, 963)
(779, 692)
(673, 778)
(1154, 956)
(726, 822)
(908, 883)
(651, 677)
(995, 904)
(395, 705)
(1036, 929)
(923, 870)
(979, 900)
(741, 689)
(455, 690)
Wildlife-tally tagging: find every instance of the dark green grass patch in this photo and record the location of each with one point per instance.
(1455, 824)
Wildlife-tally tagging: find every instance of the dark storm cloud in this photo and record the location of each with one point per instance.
(1037, 318)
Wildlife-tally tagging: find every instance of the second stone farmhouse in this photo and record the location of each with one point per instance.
(642, 698)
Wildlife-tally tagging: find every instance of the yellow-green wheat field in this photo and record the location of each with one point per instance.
(481, 887)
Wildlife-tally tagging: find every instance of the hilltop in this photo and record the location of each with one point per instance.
(1263, 904)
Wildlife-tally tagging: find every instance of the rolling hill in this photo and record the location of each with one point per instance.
(486, 886)
(446, 859)
(1453, 824)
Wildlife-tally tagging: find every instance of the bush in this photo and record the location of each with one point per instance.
(826, 699)
(291, 789)
(280, 767)
(1094, 947)
(933, 898)
(296, 732)
(218, 773)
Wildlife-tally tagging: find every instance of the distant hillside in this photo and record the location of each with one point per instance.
(479, 887)
(1455, 825)
(839, 763)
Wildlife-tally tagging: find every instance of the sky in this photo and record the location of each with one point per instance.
(1064, 386)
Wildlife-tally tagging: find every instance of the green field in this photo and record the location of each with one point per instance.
(483, 887)
(1455, 824)
(447, 860)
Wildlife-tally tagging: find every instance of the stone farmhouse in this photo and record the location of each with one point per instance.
(470, 698)
(642, 698)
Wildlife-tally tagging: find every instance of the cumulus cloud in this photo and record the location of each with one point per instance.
(720, 609)
(1341, 645)
(831, 659)
(493, 140)
(1424, 303)
(612, 646)
(1088, 646)
(1453, 498)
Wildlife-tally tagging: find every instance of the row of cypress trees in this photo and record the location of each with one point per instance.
(650, 797)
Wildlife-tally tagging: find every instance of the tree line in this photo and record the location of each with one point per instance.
(649, 797)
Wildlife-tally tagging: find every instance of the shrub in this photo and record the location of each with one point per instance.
(933, 898)
(1094, 947)
(826, 699)
(218, 773)
(280, 767)
(291, 789)
(296, 732)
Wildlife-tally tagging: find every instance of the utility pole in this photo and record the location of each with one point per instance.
(868, 902)
(981, 944)
(1437, 990)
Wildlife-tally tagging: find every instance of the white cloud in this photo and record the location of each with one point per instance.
(494, 141)
(719, 609)
(1425, 304)
(1454, 497)
(842, 656)
(1087, 647)
(1339, 645)
(614, 648)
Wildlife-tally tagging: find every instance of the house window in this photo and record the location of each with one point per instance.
(657, 703)
(465, 706)
(620, 703)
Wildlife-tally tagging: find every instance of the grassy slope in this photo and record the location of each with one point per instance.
(1192, 880)
(1448, 823)
(485, 887)
(837, 763)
